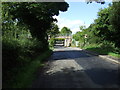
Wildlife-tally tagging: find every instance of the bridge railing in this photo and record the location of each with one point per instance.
(63, 36)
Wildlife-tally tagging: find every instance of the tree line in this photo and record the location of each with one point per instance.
(25, 27)
(104, 31)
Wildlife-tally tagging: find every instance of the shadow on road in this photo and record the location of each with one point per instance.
(104, 76)
(71, 78)
(95, 73)
(69, 54)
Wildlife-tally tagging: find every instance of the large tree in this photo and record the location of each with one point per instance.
(54, 30)
(107, 25)
(115, 23)
(102, 24)
(38, 16)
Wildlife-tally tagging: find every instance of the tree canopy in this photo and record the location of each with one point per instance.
(25, 27)
(105, 27)
(38, 16)
(54, 30)
(98, 1)
(66, 31)
(115, 23)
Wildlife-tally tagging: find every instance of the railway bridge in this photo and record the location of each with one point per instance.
(65, 40)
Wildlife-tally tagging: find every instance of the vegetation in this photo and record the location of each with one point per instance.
(37, 16)
(65, 31)
(24, 37)
(54, 30)
(25, 30)
(52, 34)
(52, 41)
(25, 75)
(102, 35)
(98, 1)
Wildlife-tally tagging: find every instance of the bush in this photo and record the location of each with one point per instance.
(10, 52)
(51, 42)
(16, 54)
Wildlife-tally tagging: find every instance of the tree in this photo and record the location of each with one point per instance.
(38, 16)
(66, 31)
(78, 36)
(54, 30)
(82, 27)
(91, 34)
(98, 1)
(107, 24)
(102, 24)
(115, 23)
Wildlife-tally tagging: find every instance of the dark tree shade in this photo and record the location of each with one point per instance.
(37, 16)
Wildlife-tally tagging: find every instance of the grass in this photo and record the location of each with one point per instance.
(27, 74)
(102, 50)
(114, 55)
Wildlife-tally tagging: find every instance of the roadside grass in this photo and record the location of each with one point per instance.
(102, 50)
(114, 54)
(26, 74)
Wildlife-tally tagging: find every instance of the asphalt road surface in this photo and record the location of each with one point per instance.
(73, 68)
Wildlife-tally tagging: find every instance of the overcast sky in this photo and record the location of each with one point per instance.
(79, 13)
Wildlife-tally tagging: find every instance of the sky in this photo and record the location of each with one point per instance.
(78, 14)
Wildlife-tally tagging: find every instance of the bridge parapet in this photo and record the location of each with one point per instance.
(67, 41)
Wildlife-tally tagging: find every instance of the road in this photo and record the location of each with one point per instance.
(73, 68)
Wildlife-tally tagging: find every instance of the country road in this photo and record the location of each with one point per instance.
(73, 68)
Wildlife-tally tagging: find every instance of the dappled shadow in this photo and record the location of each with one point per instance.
(71, 78)
(68, 68)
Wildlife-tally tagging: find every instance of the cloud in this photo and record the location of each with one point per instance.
(72, 24)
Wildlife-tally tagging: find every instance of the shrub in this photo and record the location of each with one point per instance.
(16, 54)
(51, 42)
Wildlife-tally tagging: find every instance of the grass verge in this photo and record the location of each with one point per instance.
(27, 74)
(102, 50)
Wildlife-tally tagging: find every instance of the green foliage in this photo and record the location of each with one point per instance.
(106, 26)
(78, 36)
(17, 54)
(24, 33)
(97, 1)
(65, 31)
(54, 30)
(37, 16)
(106, 49)
(104, 32)
(82, 27)
(51, 42)
(102, 24)
(115, 23)
(25, 75)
